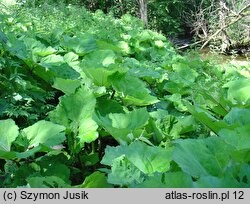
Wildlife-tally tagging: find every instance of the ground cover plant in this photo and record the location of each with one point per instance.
(87, 100)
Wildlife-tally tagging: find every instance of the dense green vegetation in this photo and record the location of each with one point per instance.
(221, 24)
(87, 100)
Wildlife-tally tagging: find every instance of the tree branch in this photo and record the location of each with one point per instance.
(240, 16)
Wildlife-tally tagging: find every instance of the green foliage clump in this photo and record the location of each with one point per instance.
(101, 102)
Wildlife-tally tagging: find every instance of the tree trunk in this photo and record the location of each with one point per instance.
(222, 22)
(143, 6)
(121, 7)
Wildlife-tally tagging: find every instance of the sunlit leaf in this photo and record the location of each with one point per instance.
(8, 133)
(45, 132)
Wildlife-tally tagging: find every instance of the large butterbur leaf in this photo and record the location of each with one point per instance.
(238, 138)
(29, 49)
(238, 91)
(183, 74)
(167, 180)
(9, 155)
(67, 86)
(74, 107)
(75, 112)
(99, 65)
(215, 182)
(100, 74)
(87, 130)
(46, 133)
(38, 49)
(81, 45)
(204, 117)
(72, 60)
(238, 116)
(8, 134)
(100, 57)
(133, 90)
(147, 159)
(124, 173)
(29, 153)
(95, 180)
(51, 165)
(46, 182)
(202, 157)
(124, 127)
(55, 66)
(105, 106)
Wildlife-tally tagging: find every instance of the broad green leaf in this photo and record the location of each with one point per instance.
(121, 125)
(46, 182)
(99, 91)
(49, 165)
(124, 173)
(8, 134)
(44, 132)
(60, 70)
(206, 119)
(142, 70)
(54, 165)
(244, 174)
(202, 157)
(99, 65)
(176, 100)
(57, 169)
(37, 48)
(238, 138)
(52, 59)
(183, 74)
(100, 57)
(70, 57)
(17, 48)
(105, 45)
(72, 60)
(74, 107)
(3, 38)
(147, 159)
(184, 125)
(176, 88)
(213, 99)
(87, 131)
(99, 74)
(75, 111)
(124, 47)
(133, 89)
(95, 180)
(171, 126)
(167, 180)
(166, 124)
(217, 182)
(10, 155)
(238, 116)
(29, 49)
(22, 173)
(238, 91)
(131, 120)
(67, 86)
(157, 134)
(106, 106)
(26, 154)
(56, 66)
(90, 159)
(80, 45)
